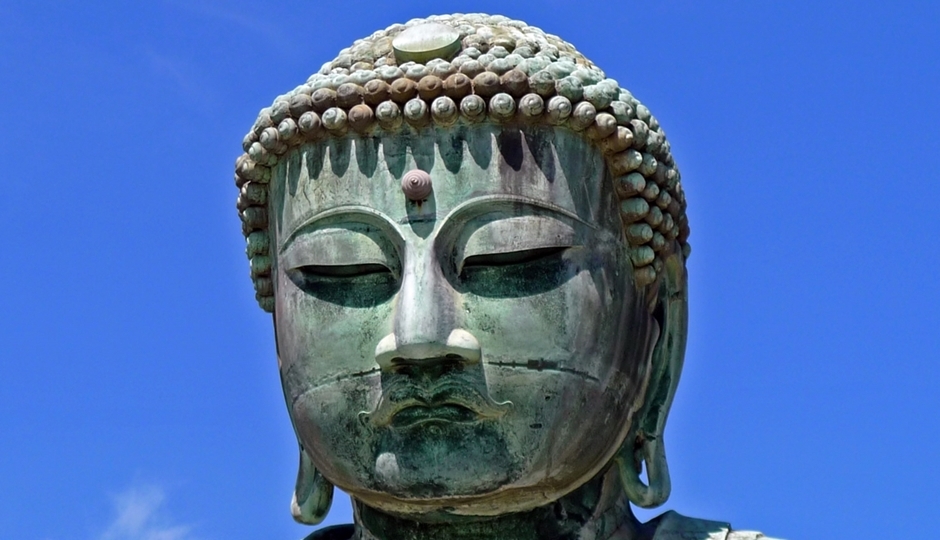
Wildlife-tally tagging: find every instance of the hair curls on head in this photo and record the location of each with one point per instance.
(478, 68)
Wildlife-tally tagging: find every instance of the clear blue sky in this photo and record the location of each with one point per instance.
(139, 394)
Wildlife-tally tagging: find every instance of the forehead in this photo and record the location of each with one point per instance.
(555, 167)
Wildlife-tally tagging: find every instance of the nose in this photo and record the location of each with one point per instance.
(459, 346)
(425, 320)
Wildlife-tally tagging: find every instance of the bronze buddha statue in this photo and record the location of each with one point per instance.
(473, 245)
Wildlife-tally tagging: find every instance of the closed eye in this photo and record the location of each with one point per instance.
(516, 273)
(342, 271)
(351, 285)
(512, 257)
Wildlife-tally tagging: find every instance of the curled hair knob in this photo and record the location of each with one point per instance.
(416, 184)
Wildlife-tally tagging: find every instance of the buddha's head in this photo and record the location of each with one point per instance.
(473, 245)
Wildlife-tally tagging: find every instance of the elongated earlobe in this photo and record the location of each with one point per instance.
(313, 494)
(645, 444)
(653, 453)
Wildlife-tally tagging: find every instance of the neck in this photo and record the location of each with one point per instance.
(598, 510)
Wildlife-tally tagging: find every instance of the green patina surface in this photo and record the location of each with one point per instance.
(496, 356)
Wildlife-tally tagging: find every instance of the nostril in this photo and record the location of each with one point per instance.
(452, 367)
(408, 370)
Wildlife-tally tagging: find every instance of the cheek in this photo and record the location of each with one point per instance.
(572, 326)
(319, 341)
(565, 360)
(564, 427)
(329, 425)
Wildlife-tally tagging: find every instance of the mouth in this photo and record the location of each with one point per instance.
(458, 404)
(422, 414)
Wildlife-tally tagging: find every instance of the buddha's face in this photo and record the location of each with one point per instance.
(479, 352)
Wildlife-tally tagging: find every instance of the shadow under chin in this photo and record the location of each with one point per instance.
(444, 459)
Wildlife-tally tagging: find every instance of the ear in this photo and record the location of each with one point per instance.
(313, 494)
(669, 354)
(645, 442)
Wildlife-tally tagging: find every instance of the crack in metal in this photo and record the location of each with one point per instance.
(546, 365)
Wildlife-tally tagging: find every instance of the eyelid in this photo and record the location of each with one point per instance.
(340, 246)
(512, 257)
(516, 234)
(343, 271)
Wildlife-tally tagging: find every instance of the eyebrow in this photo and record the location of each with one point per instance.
(365, 215)
(372, 216)
(471, 205)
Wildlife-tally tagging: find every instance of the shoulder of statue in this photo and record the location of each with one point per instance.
(675, 526)
(336, 532)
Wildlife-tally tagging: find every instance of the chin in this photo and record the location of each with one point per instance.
(438, 460)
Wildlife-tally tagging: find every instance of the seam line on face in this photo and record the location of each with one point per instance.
(544, 365)
(336, 379)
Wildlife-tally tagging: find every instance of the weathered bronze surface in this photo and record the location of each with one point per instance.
(474, 246)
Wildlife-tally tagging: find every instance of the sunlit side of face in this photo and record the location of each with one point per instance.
(478, 352)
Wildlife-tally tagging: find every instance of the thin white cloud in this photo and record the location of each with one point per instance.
(184, 77)
(231, 13)
(140, 515)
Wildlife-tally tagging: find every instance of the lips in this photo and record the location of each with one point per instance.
(406, 404)
(418, 414)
